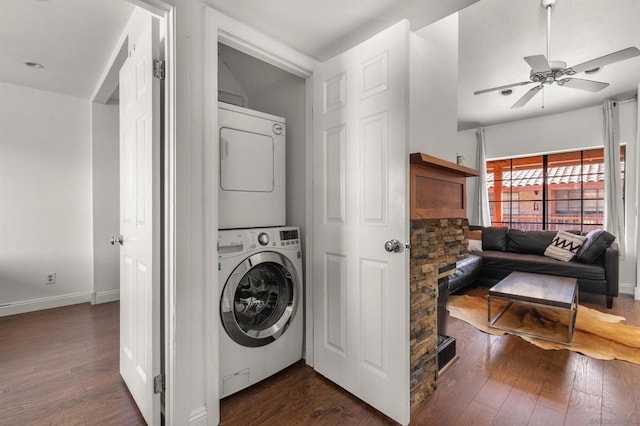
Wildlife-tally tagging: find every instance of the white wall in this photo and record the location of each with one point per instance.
(433, 94)
(568, 131)
(106, 200)
(45, 199)
(228, 83)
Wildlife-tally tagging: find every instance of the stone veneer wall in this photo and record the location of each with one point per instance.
(434, 243)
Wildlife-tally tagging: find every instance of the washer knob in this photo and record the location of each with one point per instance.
(263, 238)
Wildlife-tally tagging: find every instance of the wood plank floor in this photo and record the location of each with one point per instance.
(60, 367)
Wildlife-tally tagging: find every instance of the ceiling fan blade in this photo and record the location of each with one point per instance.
(600, 62)
(588, 85)
(506, 86)
(538, 63)
(527, 97)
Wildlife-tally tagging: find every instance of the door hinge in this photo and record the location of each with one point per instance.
(158, 383)
(158, 69)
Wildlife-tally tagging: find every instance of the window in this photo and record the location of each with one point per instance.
(551, 191)
(568, 201)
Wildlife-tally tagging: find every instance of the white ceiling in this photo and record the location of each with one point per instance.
(495, 35)
(323, 28)
(73, 39)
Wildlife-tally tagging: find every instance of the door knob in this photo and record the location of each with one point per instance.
(393, 246)
(119, 239)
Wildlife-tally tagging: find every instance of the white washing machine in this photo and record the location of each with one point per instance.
(261, 315)
(252, 168)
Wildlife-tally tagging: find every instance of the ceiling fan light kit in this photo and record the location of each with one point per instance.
(545, 72)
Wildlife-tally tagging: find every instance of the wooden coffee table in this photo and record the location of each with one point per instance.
(549, 291)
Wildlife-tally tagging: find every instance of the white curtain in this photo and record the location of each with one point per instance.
(613, 213)
(482, 215)
(637, 290)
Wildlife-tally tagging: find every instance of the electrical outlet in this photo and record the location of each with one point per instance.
(51, 278)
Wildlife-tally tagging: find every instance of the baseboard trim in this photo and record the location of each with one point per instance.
(43, 303)
(637, 295)
(105, 296)
(198, 416)
(626, 288)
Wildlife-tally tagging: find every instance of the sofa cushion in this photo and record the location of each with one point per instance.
(475, 240)
(494, 239)
(467, 272)
(597, 242)
(530, 242)
(506, 261)
(564, 246)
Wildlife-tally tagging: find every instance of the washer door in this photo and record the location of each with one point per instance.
(259, 299)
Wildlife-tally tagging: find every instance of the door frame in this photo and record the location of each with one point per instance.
(221, 28)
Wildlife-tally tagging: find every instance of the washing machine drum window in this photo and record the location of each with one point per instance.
(259, 299)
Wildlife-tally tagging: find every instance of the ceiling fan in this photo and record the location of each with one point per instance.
(544, 72)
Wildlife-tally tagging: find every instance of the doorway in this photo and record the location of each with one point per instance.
(259, 75)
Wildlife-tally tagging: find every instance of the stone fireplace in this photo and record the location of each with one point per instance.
(439, 229)
(435, 243)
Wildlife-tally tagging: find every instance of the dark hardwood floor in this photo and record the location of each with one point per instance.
(60, 367)
(503, 380)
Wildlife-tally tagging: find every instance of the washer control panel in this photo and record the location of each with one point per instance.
(287, 237)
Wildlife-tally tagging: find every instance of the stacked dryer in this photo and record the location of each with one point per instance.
(260, 260)
(252, 190)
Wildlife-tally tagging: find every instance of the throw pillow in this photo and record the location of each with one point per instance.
(475, 240)
(597, 242)
(564, 246)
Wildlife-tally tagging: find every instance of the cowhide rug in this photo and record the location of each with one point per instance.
(598, 335)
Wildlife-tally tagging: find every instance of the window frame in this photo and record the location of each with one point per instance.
(585, 169)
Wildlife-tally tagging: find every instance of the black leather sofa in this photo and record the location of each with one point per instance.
(596, 265)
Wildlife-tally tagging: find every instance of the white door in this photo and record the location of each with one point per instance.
(139, 222)
(361, 291)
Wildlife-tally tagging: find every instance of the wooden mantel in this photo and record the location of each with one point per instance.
(438, 163)
(438, 187)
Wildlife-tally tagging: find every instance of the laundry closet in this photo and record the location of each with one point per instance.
(261, 218)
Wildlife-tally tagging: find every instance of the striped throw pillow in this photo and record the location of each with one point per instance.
(564, 246)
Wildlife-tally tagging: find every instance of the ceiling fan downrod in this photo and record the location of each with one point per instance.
(547, 5)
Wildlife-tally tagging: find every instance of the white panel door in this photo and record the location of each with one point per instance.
(361, 291)
(139, 223)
